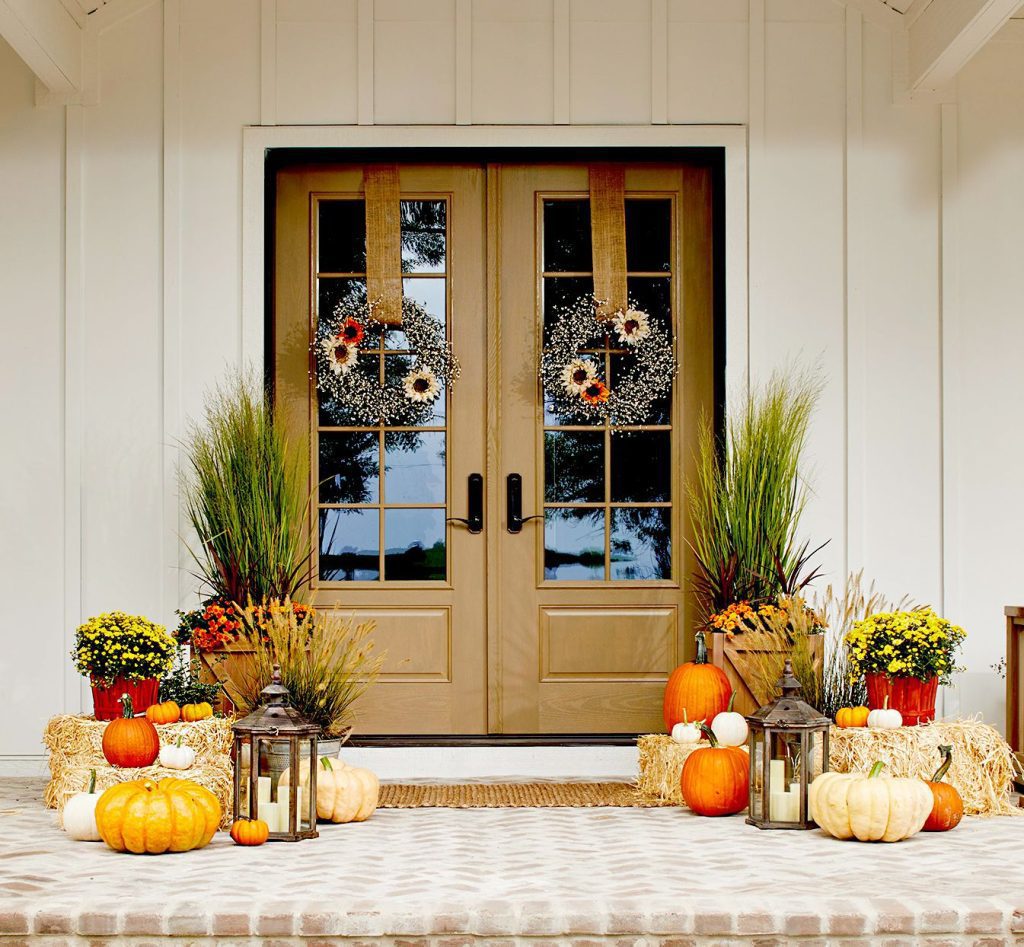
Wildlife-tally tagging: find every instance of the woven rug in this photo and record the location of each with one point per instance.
(510, 796)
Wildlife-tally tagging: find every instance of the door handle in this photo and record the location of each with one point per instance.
(514, 504)
(474, 521)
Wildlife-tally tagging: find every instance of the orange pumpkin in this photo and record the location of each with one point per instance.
(130, 741)
(167, 712)
(852, 717)
(716, 779)
(190, 713)
(146, 816)
(947, 804)
(696, 690)
(249, 831)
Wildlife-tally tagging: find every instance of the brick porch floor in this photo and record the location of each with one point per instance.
(636, 876)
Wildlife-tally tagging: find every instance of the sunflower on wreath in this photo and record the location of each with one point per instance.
(353, 389)
(572, 379)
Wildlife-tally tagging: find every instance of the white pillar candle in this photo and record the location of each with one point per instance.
(263, 787)
(284, 801)
(794, 792)
(777, 810)
(777, 776)
(270, 812)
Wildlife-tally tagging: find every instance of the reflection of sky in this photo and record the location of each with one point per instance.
(348, 531)
(404, 529)
(645, 554)
(429, 293)
(414, 475)
(574, 537)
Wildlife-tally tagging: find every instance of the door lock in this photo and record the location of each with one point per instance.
(474, 521)
(514, 504)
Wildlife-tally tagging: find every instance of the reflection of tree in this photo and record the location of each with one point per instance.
(653, 528)
(416, 563)
(423, 234)
(573, 466)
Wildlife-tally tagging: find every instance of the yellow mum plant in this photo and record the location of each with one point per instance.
(116, 644)
(915, 643)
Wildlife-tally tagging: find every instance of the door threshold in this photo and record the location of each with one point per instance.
(496, 761)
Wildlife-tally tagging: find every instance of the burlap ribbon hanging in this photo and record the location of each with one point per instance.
(383, 242)
(608, 235)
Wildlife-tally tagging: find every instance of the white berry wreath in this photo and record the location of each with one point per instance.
(352, 385)
(573, 380)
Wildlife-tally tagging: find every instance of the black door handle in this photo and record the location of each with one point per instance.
(474, 522)
(514, 504)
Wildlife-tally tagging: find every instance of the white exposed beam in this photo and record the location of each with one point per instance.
(947, 33)
(48, 38)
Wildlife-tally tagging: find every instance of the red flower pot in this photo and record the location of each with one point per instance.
(106, 701)
(912, 697)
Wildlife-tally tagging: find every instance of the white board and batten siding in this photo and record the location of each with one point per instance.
(883, 241)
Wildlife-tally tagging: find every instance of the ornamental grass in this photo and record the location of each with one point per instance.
(748, 494)
(327, 661)
(245, 497)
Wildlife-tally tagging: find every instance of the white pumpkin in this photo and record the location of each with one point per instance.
(729, 727)
(885, 718)
(687, 732)
(79, 815)
(869, 807)
(343, 793)
(177, 756)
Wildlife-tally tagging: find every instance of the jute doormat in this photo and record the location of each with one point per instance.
(511, 796)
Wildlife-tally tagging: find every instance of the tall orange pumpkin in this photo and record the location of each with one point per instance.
(130, 741)
(716, 779)
(947, 804)
(697, 689)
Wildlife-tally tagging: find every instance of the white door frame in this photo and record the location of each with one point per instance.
(256, 140)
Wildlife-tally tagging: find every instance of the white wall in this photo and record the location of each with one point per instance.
(856, 235)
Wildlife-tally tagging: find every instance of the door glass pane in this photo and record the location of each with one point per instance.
(414, 544)
(396, 367)
(574, 466)
(654, 296)
(640, 467)
(342, 236)
(561, 292)
(423, 236)
(349, 545)
(574, 544)
(567, 236)
(648, 235)
(429, 292)
(641, 543)
(349, 467)
(414, 469)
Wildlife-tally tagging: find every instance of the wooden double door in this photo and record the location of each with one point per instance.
(568, 621)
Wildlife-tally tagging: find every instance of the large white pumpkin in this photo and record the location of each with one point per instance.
(869, 807)
(343, 793)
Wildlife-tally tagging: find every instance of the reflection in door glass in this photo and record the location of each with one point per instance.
(641, 471)
(423, 236)
(349, 467)
(574, 466)
(414, 546)
(573, 544)
(641, 543)
(414, 466)
(429, 292)
(342, 237)
(349, 545)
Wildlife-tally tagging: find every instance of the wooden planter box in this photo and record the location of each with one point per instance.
(227, 667)
(736, 656)
(1015, 680)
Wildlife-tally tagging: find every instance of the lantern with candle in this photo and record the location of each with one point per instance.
(275, 731)
(788, 747)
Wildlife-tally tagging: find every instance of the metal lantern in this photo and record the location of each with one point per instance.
(273, 744)
(788, 747)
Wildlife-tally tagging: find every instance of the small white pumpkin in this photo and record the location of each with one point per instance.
(80, 813)
(729, 727)
(885, 718)
(687, 732)
(177, 756)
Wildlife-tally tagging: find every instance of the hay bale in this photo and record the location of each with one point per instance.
(661, 765)
(76, 746)
(983, 764)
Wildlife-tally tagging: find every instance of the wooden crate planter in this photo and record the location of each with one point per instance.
(227, 666)
(736, 656)
(1015, 681)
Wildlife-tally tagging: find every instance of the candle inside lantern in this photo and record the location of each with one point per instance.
(777, 776)
(263, 787)
(270, 812)
(283, 804)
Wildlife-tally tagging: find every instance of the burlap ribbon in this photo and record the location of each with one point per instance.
(608, 234)
(383, 242)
